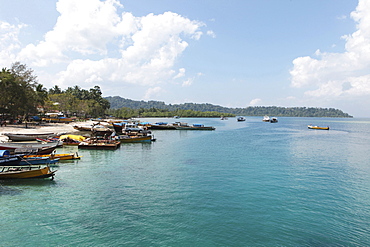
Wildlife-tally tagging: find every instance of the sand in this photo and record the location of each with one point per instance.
(58, 128)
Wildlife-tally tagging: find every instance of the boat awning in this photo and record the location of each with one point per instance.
(4, 152)
(73, 137)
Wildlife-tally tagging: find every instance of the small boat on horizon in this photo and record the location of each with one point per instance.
(266, 119)
(318, 127)
(273, 120)
(241, 119)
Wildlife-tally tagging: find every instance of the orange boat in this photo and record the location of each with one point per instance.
(26, 172)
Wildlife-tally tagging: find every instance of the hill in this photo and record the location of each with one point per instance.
(117, 102)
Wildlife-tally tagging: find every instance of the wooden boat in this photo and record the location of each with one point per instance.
(38, 161)
(99, 144)
(71, 140)
(27, 137)
(161, 126)
(29, 148)
(318, 127)
(8, 160)
(183, 126)
(100, 130)
(135, 138)
(67, 156)
(82, 128)
(8, 172)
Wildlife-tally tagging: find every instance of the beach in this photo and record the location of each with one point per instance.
(57, 128)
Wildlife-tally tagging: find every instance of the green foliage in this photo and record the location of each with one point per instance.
(126, 113)
(20, 93)
(79, 102)
(118, 102)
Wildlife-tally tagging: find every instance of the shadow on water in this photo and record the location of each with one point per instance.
(13, 187)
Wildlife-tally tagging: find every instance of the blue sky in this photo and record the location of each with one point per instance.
(232, 53)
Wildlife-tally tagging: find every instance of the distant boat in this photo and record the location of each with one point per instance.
(266, 119)
(273, 120)
(136, 138)
(223, 118)
(318, 127)
(241, 119)
(185, 126)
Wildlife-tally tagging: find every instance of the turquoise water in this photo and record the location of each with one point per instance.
(246, 184)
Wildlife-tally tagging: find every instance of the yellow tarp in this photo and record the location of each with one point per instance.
(73, 137)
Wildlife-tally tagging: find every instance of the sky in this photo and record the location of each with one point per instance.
(236, 53)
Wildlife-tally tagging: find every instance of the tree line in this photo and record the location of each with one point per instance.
(21, 96)
(119, 102)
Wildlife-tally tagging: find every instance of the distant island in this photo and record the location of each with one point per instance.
(162, 109)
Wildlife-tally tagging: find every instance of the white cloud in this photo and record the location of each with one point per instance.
(92, 42)
(180, 74)
(326, 75)
(9, 42)
(188, 82)
(152, 91)
(255, 102)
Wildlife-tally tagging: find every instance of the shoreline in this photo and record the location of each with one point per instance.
(36, 129)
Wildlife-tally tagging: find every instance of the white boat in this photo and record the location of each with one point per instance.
(27, 137)
(266, 119)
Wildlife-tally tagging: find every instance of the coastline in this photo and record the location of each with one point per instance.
(33, 129)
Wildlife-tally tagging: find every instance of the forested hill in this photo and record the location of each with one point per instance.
(117, 102)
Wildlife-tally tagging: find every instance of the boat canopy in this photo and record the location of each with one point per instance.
(73, 137)
(4, 152)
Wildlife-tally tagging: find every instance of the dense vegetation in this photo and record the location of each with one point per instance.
(126, 112)
(22, 96)
(118, 102)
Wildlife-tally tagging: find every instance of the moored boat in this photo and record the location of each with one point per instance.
(273, 120)
(8, 160)
(266, 119)
(25, 172)
(318, 127)
(99, 144)
(183, 126)
(38, 161)
(67, 156)
(29, 148)
(27, 137)
(130, 139)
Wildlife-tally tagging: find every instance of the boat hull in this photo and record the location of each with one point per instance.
(318, 127)
(26, 137)
(26, 173)
(131, 139)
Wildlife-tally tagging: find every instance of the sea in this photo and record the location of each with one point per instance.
(247, 183)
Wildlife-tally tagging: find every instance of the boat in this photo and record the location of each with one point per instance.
(241, 119)
(223, 118)
(101, 130)
(273, 120)
(135, 138)
(82, 128)
(16, 137)
(71, 140)
(29, 148)
(67, 156)
(161, 126)
(266, 119)
(25, 172)
(6, 159)
(318, 127)
(99, 144)
(183, 126)
(38, 161)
